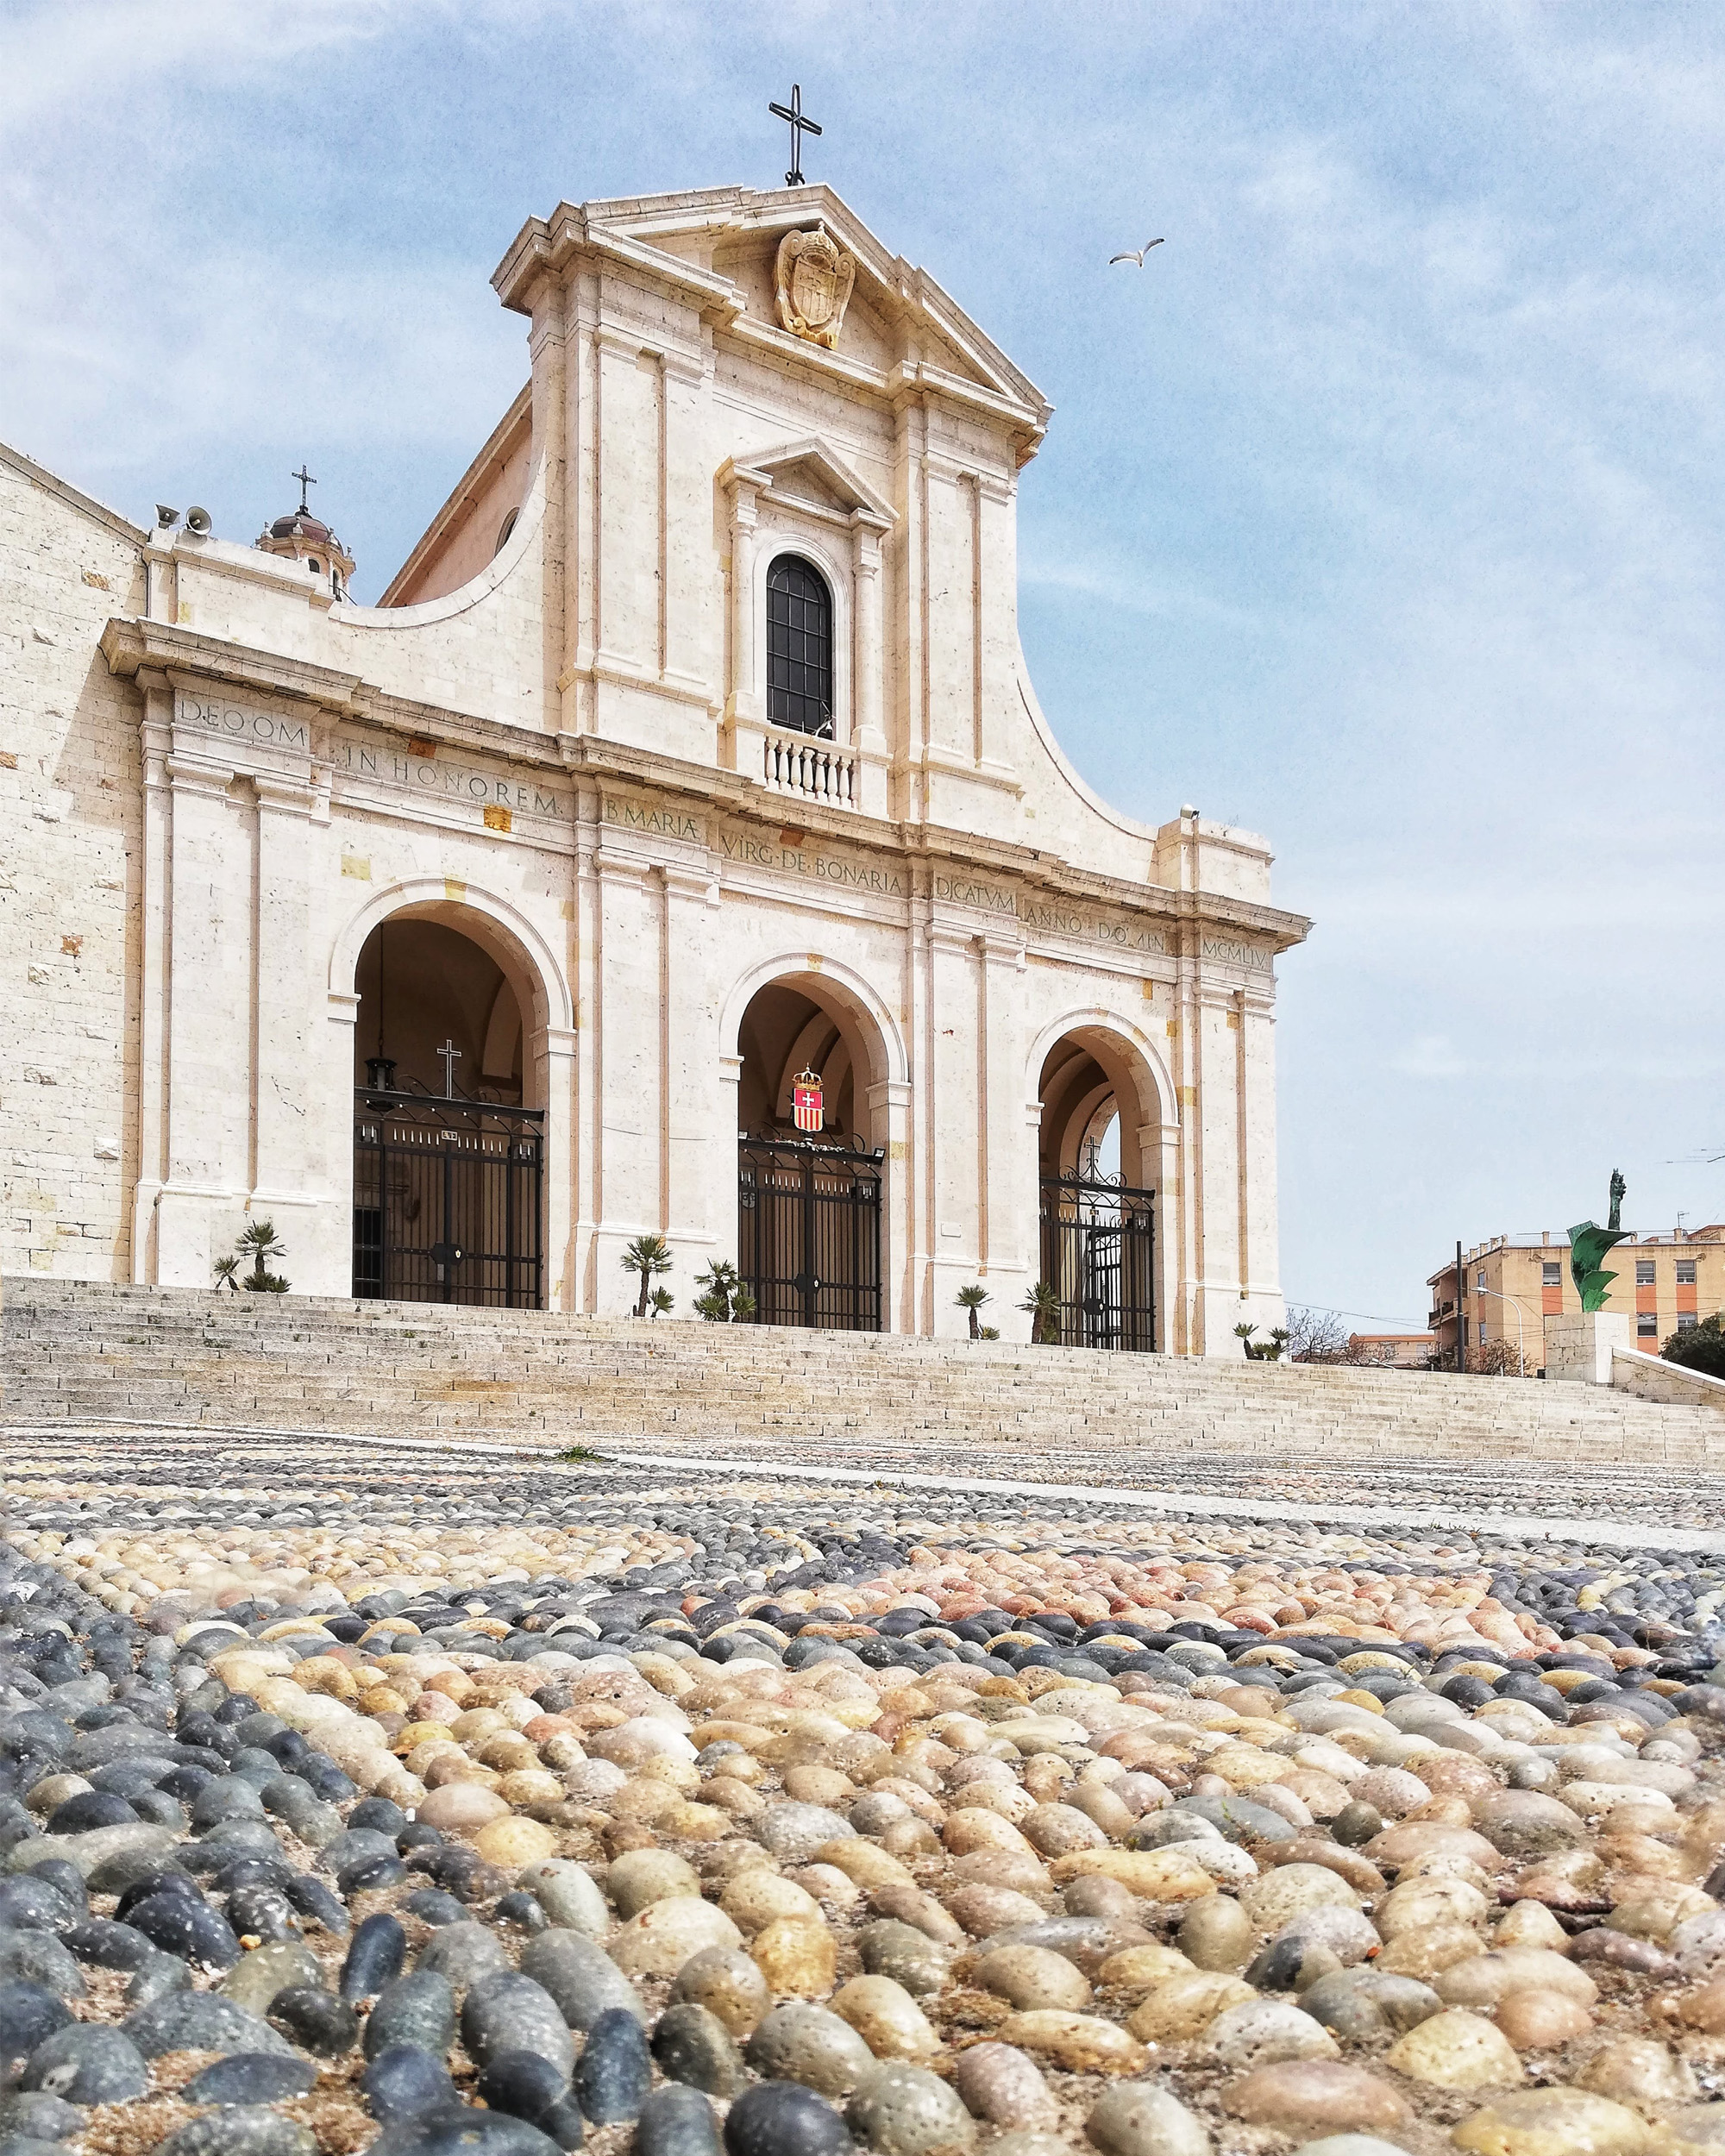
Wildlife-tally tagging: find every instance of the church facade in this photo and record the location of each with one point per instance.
(678, 849)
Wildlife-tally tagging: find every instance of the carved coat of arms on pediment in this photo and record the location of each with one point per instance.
(813, 278)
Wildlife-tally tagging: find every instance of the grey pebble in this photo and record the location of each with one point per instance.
(200, 2020)
(899, 2110)
(87, 2064)
(810, 2046)
(463, 1954)
(417, 2010)
(691, 2045)
(676, 2121)
(242, 2131)
(508, 2012)
(580, 1976)
(250, 2077)
(283, 1965)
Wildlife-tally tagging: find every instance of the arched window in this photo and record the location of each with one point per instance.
(798, 649)
(503, 535)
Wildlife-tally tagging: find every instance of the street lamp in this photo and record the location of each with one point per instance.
(1520, 1336)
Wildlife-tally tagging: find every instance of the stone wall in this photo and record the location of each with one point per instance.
(1651, 1378)
(69, 892)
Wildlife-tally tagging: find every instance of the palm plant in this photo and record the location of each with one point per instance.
(648, 1256)
(661, 1300)
(226, 1268)
(972, 1299)
(1043, 1302)
(265, 1247)
(727, 1299)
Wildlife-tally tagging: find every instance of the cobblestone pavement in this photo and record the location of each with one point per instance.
(454, 1798)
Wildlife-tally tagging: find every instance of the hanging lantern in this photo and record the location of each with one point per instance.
(808, 1102)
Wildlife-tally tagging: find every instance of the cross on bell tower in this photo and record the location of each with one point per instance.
(799, 127)
(305, 480)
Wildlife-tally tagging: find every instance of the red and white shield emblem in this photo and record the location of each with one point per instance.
(808, 1103)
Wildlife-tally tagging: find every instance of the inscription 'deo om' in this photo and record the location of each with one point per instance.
(241, 721)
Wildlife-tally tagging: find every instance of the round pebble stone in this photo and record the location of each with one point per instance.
(405, 2082)
(580, 1976)
(641, 1876)
(250, 2078)
(34, 2115)
(691, 2045)
(506, 2011)
(1267, 2030)
(199, 2020)
(615, 2071)
(525, 2085)
(660, 1938)
(810, 2046)
(242, 2131)
(461, 1953)
(1553, 2122)
(729, 1984)
(676, 2120)
(374, 1958)
(1137, 2119)
(1032, 1977)
(908, 1955)
(1215, 1933)
(87, 2064)
(281, 1965)
(418, 2010)
(1541, 2020)
(30, 2015)
(567, 1893)
(1456, 2049)
(39, 1958)
(783, 2118)
(316, 2020)
(1079, 2043)
(899, 2110)
(1003, 2086)
(1303, 2095)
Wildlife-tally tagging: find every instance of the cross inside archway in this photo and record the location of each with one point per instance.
(799, 127)
(449, 1055)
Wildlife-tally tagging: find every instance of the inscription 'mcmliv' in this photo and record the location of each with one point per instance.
(239, 721)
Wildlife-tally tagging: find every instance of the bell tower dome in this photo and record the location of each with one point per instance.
(300, 536)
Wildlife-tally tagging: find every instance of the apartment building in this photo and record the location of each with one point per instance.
(1511, 1284)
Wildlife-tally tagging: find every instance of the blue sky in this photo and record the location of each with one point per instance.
(1381, 512)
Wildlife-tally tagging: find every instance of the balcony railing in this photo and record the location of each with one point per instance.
(806, 770)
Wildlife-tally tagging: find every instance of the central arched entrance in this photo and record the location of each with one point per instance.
(1097, 1210)
(810, 1189)
(448, 1152)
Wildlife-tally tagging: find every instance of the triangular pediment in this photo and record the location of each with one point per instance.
(722, 241)
(810, 473)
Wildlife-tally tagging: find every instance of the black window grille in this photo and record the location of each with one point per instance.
(798, 649)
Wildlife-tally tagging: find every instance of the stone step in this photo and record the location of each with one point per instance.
(76, 1350)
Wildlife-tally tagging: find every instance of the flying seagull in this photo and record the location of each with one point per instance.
(1130, 257)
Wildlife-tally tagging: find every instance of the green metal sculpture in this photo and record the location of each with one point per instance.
(1587, 1244)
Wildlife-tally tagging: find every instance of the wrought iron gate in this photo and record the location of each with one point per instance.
(808, 1236)
(1099, 1250)
(447, 1200)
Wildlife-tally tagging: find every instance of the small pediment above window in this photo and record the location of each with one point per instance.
(808, 475)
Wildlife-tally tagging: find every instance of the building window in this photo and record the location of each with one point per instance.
(798, 649)
(1685, 1272)
(1647, 1325)
(1485, 1332)
(1551, 1272)
(1644, 1272)
(1686, 1321)
(1480, 1283)
(503, 535)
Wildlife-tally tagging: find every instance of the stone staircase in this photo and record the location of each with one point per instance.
(185, 1356)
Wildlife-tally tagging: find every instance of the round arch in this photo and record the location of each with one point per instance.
(837, 989)
(1136, 1070)
(499, 928)
(773, 539)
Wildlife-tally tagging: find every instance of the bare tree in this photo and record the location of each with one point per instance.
(1318, 1336)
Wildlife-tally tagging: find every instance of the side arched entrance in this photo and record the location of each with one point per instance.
(813, 1107)
(449, 1137)
(1098, 1168)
